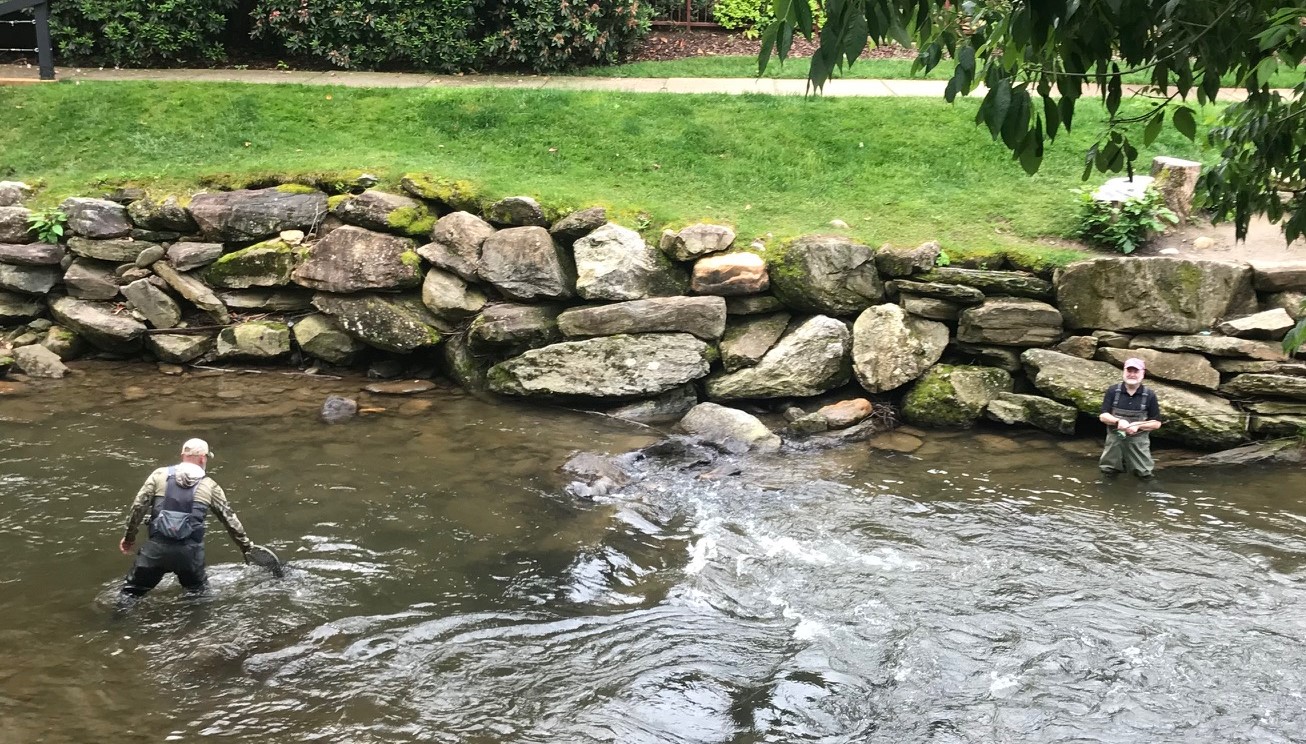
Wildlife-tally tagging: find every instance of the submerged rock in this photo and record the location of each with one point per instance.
(732, 429)
(37, 361)
(337, 409)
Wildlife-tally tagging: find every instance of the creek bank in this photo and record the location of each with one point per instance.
(510, 298)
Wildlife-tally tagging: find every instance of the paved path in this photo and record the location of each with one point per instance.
(854, 88)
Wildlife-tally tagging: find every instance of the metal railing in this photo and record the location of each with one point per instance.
(693, 14)
(40, 22)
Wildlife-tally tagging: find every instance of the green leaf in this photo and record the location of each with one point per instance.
(768, 43)
(1067, 106)
(1154, 126)
(1016, 124)
(1053, 117)
(950, 91)
(995, 107)
(1113, 90)
(803, 11)
(1185, 122)
(966, 60)
(1295, 338)
(1265, 71)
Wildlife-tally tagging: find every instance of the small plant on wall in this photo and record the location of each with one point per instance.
(47, 225)
(1123, 226)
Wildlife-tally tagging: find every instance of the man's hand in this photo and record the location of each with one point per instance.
(1123, 425)
(125, 546)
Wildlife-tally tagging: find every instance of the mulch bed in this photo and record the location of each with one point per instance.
(667, 44)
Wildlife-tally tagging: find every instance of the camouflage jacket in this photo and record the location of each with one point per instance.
(207, 492)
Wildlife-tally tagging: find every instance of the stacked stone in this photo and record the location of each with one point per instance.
(507, 298)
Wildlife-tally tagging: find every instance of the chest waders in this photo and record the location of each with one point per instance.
(176, 516)
(176, 543)
(1123, 452)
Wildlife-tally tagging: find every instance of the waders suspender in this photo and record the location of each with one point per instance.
(1130, 415)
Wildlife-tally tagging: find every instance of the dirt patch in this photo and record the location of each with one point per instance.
(1201, 239)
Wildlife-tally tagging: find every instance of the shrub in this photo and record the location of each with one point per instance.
(752, 16)
(368, 34)
(139, 32)
(1124, 226)
(550, 35)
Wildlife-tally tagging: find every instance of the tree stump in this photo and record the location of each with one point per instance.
(1176, 179)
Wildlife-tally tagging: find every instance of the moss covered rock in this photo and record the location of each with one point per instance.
(953, 397)
(379, 210)
(352, 259)
(461, 196)
(267, 264)
(256, 340)
(823, 274)
(1160, 293)
(398, 323)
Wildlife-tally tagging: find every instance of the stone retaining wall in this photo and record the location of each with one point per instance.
(500, 297)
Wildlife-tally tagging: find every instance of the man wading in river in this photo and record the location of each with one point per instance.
(1130, 409)
(177, 499)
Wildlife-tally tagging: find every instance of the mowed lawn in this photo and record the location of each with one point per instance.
(898, 170)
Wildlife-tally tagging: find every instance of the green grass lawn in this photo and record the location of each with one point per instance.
(895, 170)
(746, 67)
(864, 69)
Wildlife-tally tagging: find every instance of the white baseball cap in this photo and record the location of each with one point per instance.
(196, 447)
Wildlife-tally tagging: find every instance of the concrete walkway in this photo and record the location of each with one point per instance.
(15, 74)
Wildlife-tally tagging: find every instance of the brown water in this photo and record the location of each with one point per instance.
(444, 587)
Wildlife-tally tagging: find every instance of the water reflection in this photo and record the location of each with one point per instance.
(445, 589)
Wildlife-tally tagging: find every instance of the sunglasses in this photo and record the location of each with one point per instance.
(1133, 369)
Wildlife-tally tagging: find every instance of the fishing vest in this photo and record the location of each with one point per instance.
(1129, 414)
(177, 516)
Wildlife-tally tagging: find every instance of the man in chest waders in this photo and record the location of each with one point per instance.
(1130, 410)
(177, 499)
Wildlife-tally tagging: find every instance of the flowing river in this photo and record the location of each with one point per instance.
(445, 588)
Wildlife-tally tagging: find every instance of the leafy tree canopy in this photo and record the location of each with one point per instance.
(1037, 58)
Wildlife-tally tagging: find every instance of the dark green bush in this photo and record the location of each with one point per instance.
(139, 32)
(549, 35)
(369, 34)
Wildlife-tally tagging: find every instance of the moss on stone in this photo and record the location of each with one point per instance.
(411, 259)
(414, 221)
(461, 195)
(334, 202)
(272, 258)
(931, 400)
(296, 188)
(272, 325)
